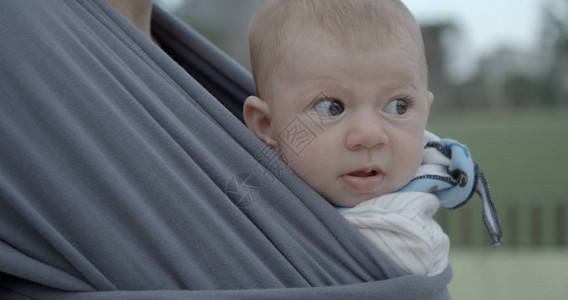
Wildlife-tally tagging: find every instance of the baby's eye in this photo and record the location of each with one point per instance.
(397, 107)
(329, 107)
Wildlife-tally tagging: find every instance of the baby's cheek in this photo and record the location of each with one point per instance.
(311, 165)
(411, 160)
(416, 160)
(295, 161)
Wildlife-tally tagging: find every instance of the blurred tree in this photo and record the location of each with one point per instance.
(555, 40)
(555, 25)
(473, 93)
(523, 91)
(438, 38)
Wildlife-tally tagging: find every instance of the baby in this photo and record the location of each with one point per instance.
(343, 97)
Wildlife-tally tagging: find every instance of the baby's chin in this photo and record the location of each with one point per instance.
(352, 200)
(349, 199)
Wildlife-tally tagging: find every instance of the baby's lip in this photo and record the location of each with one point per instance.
(363, 173)
(364, 180)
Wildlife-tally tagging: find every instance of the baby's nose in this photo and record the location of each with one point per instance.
(366, 131)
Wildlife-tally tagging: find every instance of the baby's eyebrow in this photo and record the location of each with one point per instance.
(320, 91)
(403, 85)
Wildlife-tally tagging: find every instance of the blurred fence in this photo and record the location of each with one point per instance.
(525, 224)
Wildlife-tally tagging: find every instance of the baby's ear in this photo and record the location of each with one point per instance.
(430, 99)
(257, 116)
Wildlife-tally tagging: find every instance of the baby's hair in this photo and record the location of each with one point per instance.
(353, 23)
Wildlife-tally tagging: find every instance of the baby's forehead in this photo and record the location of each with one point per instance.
(354, 41)
(312, 46)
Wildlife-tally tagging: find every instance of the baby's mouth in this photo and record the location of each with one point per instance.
(363, 173)
(364, 180)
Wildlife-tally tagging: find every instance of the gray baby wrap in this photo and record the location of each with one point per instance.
(125, 173)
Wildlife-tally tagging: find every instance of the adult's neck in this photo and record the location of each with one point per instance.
(139, 12)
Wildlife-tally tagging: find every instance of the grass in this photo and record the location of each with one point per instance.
(509, 274)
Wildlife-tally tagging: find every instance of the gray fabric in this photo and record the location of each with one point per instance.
(118, 169)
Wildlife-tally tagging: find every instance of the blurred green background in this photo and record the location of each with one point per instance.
(510, 106)
(523, 153)
(521, 150)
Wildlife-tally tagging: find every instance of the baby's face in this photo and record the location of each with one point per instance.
(349, 122)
